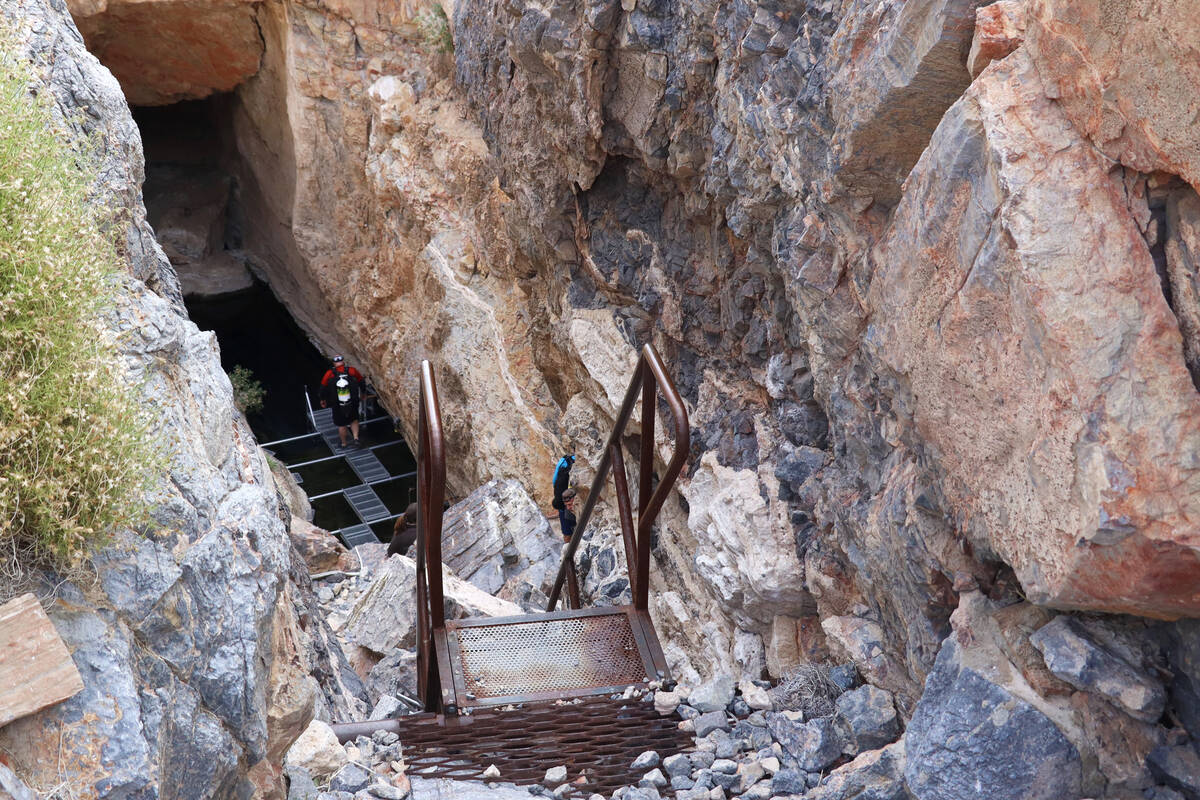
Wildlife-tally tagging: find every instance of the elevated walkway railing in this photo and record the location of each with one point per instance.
(474, 663)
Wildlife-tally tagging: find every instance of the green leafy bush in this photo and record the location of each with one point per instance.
(248, 393)
(74, 457)
(435, 29)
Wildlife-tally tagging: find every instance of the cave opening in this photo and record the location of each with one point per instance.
(193, 191)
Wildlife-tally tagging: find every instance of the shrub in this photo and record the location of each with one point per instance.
(248, 393)
(435, 29)
(74, 457)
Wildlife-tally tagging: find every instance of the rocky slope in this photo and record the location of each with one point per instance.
(925, 272)
(198, 642)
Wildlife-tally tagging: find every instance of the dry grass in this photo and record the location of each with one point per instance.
(807, 688)
(74, 457)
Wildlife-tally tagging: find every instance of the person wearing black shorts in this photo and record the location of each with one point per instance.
(341, 389)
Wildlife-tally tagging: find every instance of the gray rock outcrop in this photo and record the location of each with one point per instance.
(197, 671)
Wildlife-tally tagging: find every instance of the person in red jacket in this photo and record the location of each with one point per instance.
(341, 389)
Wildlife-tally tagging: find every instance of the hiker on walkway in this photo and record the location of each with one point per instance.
(341, 389)
(562, 481)
(404, 533)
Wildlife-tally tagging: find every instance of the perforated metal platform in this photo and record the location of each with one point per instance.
(550, 656)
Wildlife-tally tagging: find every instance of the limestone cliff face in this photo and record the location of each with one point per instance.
(915, 314)
(933, 307)
(197, 644)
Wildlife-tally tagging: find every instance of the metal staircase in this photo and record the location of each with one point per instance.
(580, 655)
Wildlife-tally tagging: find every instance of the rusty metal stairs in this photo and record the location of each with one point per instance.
(575, 656)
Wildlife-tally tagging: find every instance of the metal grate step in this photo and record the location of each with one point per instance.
(366, 504)
(367, 466)
(323, 422)
(358, 534)
(521, 659)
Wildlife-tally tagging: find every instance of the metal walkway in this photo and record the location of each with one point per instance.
(366, 466)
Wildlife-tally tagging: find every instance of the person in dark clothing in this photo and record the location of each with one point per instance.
(341, 390)
(562, 481)
(404, 534)
(566, 517)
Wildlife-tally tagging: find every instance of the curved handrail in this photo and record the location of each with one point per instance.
(431, 494)
(648, 376)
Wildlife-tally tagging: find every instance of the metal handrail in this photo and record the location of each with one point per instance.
(431, 493)
(649, 376)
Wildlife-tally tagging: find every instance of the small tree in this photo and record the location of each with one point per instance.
(248, 393)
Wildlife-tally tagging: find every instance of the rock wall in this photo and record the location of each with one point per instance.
(200, 652)
(925, 273)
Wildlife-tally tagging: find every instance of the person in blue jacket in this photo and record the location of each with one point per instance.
(562, 481)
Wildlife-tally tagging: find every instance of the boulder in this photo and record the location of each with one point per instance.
(815, 744)
(316, 751)
(321, 550)
(500, 541)
(869, 715)
(1177, 767)
(713, 695)
(1072, 655)
(873, 775)
(384, 617)
(971, 738)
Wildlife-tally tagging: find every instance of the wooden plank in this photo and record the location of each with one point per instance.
(36, 669)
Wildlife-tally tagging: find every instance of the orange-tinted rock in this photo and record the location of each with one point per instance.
(999, 29)
(1127, 75)
(1018, 300)
(171, 50)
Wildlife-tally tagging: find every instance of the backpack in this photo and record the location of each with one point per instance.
(345, 389)
(562, 479)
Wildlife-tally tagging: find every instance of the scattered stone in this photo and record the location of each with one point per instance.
(755, 696)
(491, 773)
(387, 792)
(387, 707)
(712, 695)
(686, 712)
(665, 703)
(654, 778)
(682, 782)
(350, 778)
(1072, 656)
(707, 723)
(317, 751)
(1177, 767)
(725, 766)
(789, 781)
(678, 764)
(759, 791)
(300, 784)
(555, 776)
(870, 715)
(646, 760)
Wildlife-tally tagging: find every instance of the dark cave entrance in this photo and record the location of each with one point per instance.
(193, 194)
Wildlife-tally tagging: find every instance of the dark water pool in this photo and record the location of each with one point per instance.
(256, 331)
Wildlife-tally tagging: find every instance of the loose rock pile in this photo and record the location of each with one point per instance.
(753, 741)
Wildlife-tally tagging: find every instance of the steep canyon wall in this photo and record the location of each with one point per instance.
(933, 307)
(197, 636)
